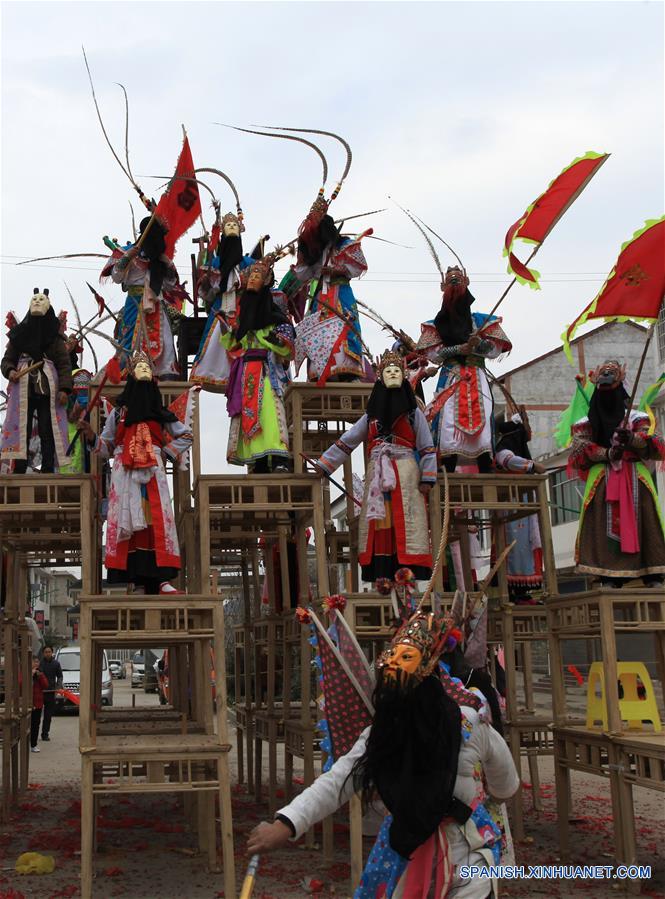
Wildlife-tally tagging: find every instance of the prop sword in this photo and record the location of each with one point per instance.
(332, 480)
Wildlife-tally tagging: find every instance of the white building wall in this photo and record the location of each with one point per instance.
(551, 381)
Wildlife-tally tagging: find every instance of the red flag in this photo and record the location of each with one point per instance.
(180, 206)
(543, 214)
(635, 287)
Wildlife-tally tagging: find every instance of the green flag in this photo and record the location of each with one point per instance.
(577, 408)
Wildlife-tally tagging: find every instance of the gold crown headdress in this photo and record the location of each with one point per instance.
(390, 357)
(140, 356)
(263, 266)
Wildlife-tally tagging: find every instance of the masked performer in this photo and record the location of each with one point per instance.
(461, 342)
(219, 288)
(78, 460)
(44, 391)
(621, 525)
(525, 562)
(394, 528)
(330, 333)
(145, 273)
(433, 759)
(261, 346)
(141, 540)
(329, 336)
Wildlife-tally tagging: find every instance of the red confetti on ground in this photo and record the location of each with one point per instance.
(162, 827)
(113, 872)
(65, 892)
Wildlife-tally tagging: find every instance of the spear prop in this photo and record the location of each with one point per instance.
(320, 470)
(126, 170)
(101, 306)
(85, 416)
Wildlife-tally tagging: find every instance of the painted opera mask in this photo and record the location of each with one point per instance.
(415, 648)
(608, 375)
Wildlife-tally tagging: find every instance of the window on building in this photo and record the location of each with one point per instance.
(660, 333)
(565, 496)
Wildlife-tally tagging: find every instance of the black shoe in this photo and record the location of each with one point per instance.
(46, 738)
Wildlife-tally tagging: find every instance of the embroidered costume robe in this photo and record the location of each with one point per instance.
(394, 526)
(135, 280)
(462, 407)
(621, 529)
(332, 348)
(255, 391)
(212, 363)
(141, 536)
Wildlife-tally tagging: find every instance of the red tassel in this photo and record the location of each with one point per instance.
(114, 371)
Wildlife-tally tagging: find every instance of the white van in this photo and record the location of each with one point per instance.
(70, 662)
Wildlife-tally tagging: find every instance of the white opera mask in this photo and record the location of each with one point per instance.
(392, 376)
(39, 303)
(231, 227)
(142, 372)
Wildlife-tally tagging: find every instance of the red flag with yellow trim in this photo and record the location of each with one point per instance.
(543, 214)
(180, 206)
(635, 287)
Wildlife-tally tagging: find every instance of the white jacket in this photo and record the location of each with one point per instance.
(485, 746)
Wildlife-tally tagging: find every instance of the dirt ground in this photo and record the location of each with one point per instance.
(145, 852)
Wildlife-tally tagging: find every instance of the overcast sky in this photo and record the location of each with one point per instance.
(462, 111)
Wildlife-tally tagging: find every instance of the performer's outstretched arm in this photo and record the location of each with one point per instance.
(327, 794)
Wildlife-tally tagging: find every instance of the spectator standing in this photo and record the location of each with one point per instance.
(51, 668)
(39, 684)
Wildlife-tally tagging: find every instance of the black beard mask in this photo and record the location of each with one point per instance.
(257, 311)
(35, 334)
(143, 402)
(453, 321)
(387, 404)
(229, 252)
(152, 249)
(411, 757)
(607, 410)
(313, 244)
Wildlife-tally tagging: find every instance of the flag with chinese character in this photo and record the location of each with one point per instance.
(635, 287)
(543, 214)
(180, 206)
